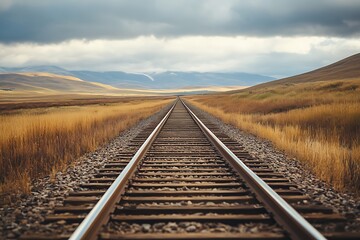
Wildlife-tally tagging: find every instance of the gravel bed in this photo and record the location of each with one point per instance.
(345, 203)
(184, 189)
(152, 159)
(189, 227)
(186, 177)
(194, 171)
(187, 203)
(28, 211)
(180, 182)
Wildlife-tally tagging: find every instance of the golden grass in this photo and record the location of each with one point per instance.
(44, 74)
(322, 130)
(36, 142)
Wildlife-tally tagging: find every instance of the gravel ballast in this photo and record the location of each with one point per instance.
(190, 227)
(345, 203)
(29, 211)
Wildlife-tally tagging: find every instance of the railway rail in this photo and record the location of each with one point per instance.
(181, 180)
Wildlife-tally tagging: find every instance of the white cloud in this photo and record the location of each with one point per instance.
(193, 53)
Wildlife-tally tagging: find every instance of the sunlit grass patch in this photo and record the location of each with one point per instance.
(35, 142)
(317, 122)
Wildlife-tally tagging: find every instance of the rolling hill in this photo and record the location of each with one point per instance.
(50, 83)
(45, 69)
(38, 84)
(162, 80)
(348, 68)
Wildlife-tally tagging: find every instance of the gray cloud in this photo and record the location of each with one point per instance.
(56, 21)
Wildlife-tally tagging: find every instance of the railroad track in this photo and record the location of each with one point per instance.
(179, 181)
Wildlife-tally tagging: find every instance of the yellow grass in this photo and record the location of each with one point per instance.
(36, 142)
(322, 130)
(43, 74)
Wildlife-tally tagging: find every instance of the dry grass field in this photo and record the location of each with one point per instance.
(317, 122)
(40, 141)
(9, 104)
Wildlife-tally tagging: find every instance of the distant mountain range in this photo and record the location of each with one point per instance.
(55, 80)
(163, 80)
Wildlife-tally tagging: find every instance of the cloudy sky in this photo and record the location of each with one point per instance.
(271, 37)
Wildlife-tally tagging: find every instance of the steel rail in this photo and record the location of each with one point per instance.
(99, 215)
(296, 226)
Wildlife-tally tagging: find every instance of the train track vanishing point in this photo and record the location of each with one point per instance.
(183, 181)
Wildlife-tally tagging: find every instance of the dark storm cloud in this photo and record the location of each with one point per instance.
(55, 21)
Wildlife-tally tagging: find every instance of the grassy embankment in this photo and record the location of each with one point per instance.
(36, 142)
(317, 122)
